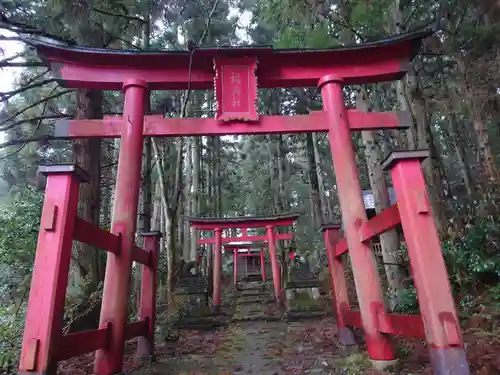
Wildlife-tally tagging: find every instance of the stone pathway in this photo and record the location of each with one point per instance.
(256, 342)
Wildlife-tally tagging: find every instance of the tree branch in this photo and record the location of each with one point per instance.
(34, 133)
(128, 43)
(120, 15)
(7, 59)
(15, 142)
(7, 95)
(208, 22)
(38, 118)
(24, 64)
(29, 82)
(22, 28)
(21, 111)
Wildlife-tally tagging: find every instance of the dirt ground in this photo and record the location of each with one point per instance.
(279, 348)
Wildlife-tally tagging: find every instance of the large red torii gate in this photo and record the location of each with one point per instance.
(236, 76)
(244, 222)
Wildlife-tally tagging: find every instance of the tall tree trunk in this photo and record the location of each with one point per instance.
(220, 206)
(210, 204)
(459, 151)
(282, 172)
(88, 156)
(170, 208)
(313, 182)
(195, 192)
(410, 97)
(148, 152)
(475, 104)
(188, 193)
(326, 202)
(432, 167)
(389, 240)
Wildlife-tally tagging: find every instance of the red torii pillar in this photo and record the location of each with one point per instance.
(217, 271)
(278, 292)
(119, 267)
(366, 278)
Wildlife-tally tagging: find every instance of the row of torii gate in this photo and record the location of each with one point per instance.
(236, 72)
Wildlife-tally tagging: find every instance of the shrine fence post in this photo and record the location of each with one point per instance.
(442, 329)
(340, 296)
(44, 317)
(147, 305)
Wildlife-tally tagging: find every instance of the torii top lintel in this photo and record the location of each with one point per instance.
(242, 222)
(81, 67)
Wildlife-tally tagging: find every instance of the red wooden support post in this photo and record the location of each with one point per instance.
(263, 265)
(442, 328)
(274, 263)
(235, 266)
(147, 306)
(340, 297)
(50, 273)
(118, 267)
(366, 278)
(217, 264)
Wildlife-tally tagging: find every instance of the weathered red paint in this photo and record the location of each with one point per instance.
(147, 304)
(217, 265)
(79, 343)
(118, 268)
(110, 126)
(384, 221)
(236, 88)
(141, 256)
(93, 235)
(44, 318)
(340, 296)
(136, 329)
(367, 280)
(428, 268)
(390, 324)
(263, 265)
(274, 264)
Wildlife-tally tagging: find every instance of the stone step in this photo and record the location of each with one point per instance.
(253, 293)
(201, 326)
(263, 300)
(255, 318)
(303, 284)
(291, 316)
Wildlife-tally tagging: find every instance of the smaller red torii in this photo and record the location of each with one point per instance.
(236, 246)
(244, 222)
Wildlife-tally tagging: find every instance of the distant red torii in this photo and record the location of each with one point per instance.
(244, 222)
(235, 247)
